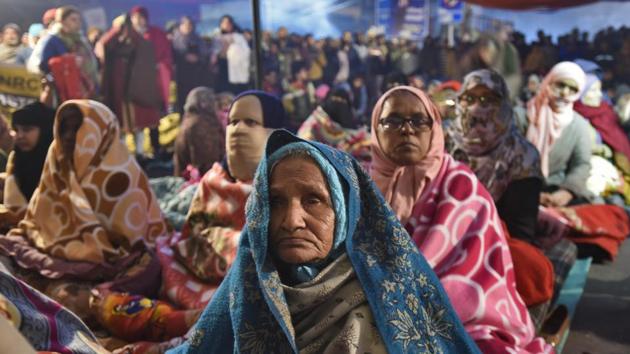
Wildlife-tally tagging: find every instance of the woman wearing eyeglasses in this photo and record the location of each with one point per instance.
(451, 218)
(485, 137)
(561, 136)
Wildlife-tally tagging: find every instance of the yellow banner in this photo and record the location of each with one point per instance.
(18, 87)
(16, 80)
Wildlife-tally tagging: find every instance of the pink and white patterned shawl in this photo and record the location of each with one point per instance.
(456, 226)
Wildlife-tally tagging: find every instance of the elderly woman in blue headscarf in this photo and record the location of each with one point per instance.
(324, 266)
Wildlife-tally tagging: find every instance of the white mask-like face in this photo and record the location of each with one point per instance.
(563, 93)
(593, 97)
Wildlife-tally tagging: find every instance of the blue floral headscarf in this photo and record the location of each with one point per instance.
(249, 312)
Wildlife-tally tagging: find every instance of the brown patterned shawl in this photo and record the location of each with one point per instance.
(99, 209)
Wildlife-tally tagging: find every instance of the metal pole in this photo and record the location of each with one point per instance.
(258, 77)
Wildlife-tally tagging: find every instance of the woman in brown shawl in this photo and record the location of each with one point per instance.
(93, 216)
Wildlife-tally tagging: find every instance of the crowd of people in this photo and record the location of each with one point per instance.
(374, 196)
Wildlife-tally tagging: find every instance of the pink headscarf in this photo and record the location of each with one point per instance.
(545, 125)
(402, 186)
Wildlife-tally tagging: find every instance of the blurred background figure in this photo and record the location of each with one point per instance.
(11, 43)
(191, 60)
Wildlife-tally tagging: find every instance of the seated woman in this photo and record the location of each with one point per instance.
(605, 120)
(452, 220)
(91, 216)
(323, 266)
(207, 245)
(200, 143)
(484, 136)
(332, 123)
(33, 126)
(195, 261)
(561, 136)
(563, 139)
(201, 139)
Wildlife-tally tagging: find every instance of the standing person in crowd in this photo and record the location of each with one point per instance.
(360, 45)
(271, 82)
(35, 32)
(130, 87)
(284, 51)
(507, 62)
(94, 34)
(299, 99)
(333, 65)
(91, 219)
(429, 57)
(231, 57)
(355, 64)
(408, 59)
(48, 20)
(452, 219)
(201, 138)
(33, 126)
(561, 136)
(361, 99)
(272, 58)
(163, 56)
(316, 58)
(343, 55)
(69, 57)
(377, 62)
(11, 44)
(191, 60)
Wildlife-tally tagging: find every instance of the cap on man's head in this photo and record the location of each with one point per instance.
(35, 30)
(140, 10)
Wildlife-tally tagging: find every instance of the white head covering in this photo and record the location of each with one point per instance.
(546, 125)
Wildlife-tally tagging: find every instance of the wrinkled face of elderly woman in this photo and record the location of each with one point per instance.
(404, 129)
(302, 225)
